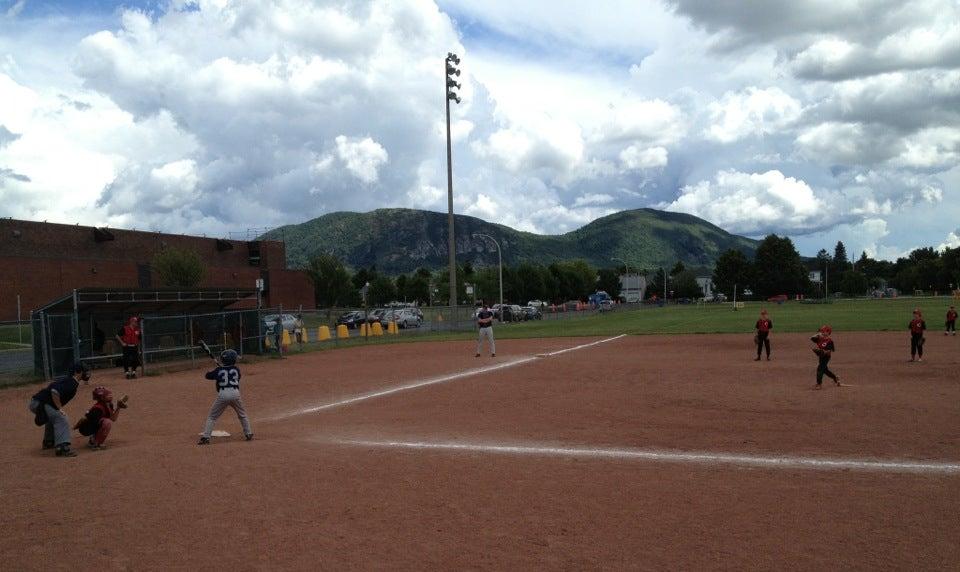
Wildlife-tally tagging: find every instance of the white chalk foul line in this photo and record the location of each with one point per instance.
(431, 381)
(701, 458)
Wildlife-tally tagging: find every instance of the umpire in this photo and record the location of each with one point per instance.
(47, 406)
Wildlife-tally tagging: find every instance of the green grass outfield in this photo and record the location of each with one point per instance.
(843, 315)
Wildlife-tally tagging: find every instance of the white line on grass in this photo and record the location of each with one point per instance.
(701, 458)
(433, 381)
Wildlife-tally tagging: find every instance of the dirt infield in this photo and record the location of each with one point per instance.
(649, 453)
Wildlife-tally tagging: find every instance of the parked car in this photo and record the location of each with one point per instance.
(532, 313)
(270, 321)
(351, 319)
(540, 305)
(779, 298)
(404, 317)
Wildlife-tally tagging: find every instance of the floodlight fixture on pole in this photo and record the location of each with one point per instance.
(451, 71)
(499, 263)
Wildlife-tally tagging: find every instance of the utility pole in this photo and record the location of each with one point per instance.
(450, 71)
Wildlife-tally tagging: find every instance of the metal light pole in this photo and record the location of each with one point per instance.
(451, 84)
(626, 281)
(499, 263)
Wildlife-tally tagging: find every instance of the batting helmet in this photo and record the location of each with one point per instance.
(825, 329)
(228, 357)
(102, 394)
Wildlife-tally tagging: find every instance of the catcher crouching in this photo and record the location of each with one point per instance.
(98, 420)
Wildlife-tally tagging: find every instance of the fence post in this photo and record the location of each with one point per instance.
(143, 347)
(75, 329)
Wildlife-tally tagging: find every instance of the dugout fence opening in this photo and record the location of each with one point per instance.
(82, 326)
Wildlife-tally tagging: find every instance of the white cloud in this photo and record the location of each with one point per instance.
(633, 157)
(592, 199)
(952, 241)
(753, 203)
(753, 112)
(362, 157)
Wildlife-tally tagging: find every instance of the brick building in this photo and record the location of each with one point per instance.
(43, 261)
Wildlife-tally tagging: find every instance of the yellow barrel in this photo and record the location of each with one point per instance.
(342, 331)
(376, 329)
(285, 340)
(267, 343)
(391, 327)
(363, 329)
(323, 333)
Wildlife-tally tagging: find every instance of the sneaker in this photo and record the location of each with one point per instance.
(47, 445)
(756, 359)
(478, 355)
(95, 447)
(204, 441)
(919, 359)
(818, 386)
(768, 358)
(837, 381)
(493, 355)
(66, 451)
(248, 436)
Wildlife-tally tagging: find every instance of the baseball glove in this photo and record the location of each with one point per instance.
(756, 340)
(122, 402)
(817, 351)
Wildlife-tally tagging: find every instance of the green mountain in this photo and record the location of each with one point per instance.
(401, 240)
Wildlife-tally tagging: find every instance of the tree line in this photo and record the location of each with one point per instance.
(777, 268)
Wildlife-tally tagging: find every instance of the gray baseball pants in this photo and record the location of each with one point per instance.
(57, 429)
(229, 397)
(487, 333)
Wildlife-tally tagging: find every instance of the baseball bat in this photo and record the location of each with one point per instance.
(207, 349)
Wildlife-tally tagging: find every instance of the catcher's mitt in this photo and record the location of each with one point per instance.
(122, 402)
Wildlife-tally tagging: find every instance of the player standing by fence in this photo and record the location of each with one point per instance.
(129, 338)
(951, 322)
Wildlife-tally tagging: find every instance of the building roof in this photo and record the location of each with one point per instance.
(150, 301)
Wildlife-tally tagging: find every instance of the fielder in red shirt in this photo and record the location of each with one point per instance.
(917, 326)
(762, 337)
(824, 348)
(951, 322)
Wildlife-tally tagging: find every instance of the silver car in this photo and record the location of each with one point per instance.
(404, 317)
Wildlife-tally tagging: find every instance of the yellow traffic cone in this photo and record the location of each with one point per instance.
(323, 333)
(363, 330)
(343, 331)
(376, 329)
(285, 341)
(267, 343)
(391, 327)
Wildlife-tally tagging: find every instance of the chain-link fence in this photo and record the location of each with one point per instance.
(49, 344)
(16, 349)
(166, 340)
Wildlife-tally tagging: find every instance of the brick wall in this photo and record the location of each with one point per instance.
(44, 261)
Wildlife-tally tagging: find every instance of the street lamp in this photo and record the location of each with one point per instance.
(451, 71)
(499, 263)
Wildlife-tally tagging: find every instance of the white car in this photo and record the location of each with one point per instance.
(404, 317)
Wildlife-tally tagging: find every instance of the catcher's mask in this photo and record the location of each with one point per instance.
(102, 394)
(826, 330)
(228, 357)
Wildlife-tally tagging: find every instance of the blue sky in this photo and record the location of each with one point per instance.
(218, 115)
